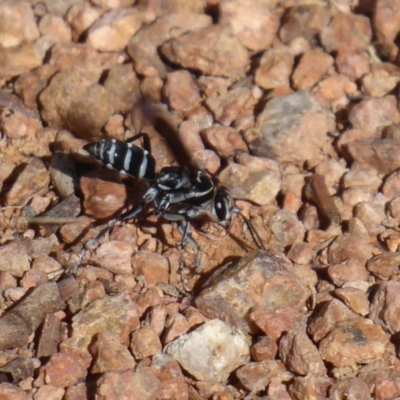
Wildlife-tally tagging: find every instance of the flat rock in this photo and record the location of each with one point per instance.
(254, 179)
(33, 178)
(299, 353)
(143, 46)
(353, 341)
(211, 50)
(69, 102)
(257, 280)
(381, 154)
(115, 314)
(305, 21)
(294, 128)
(109, 354)
(275, 68)
(348, 32)
(302, 77)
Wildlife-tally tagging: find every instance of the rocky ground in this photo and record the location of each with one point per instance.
(293, 106)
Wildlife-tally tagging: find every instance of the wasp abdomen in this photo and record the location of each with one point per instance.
(124, 157)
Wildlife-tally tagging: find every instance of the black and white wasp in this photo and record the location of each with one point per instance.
(177, 194)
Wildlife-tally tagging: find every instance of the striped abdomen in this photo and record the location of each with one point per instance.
(124, 157)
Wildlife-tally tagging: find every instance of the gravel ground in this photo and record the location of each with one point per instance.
(290, 104)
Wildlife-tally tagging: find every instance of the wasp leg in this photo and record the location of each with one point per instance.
(146, 140)
(254, 234)
(184, 230)
(92, 242)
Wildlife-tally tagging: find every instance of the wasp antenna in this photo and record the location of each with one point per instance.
(254, 234)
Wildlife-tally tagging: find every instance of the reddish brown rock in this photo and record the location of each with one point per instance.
(357, 194)
(353, 341)
(385, 306)
(107, 4)
(210, 50)
(143, 46)
(347, 32)
(256, 376)
(275, 321)
(264, 349)
(17, 60)
(252, 178)
(176, 325)
(18, 125)
(292, 138)
(80, 17)
(380, 81)
(353, 65)
(226, 108)
(310, 387)
(372, 216)
(181, 91)
(122, 87)
(394, 209)
(252, 22)
(69, 102)
(33, 178)
(303, 78)
(252, 271)
(275, 68)
(334, 89)
(142, 384)
(381, 154)
(63, 370)
(224, 140)
(113, 30)
(355, 299)
(299, 354)
(17, 24)
(12, 392)
(391, 186)
(116, 314)
(173, 382)
(109, 354)
(30, 84)
(384, 266)
(373, 114)
(76, 392)
(114, 256)
(385, 21)
(102, 198)
(33, 278)
(347, 271)
(55, 27)
(286, 227)
(50, 392)
(327, 316)
(87, 63)
(154, 267)
(383, 382)
(348, 247)
(304, 20)
(292, 190)
(355, 387)
(145, 343)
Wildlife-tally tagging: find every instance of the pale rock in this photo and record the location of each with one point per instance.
(212, 351)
